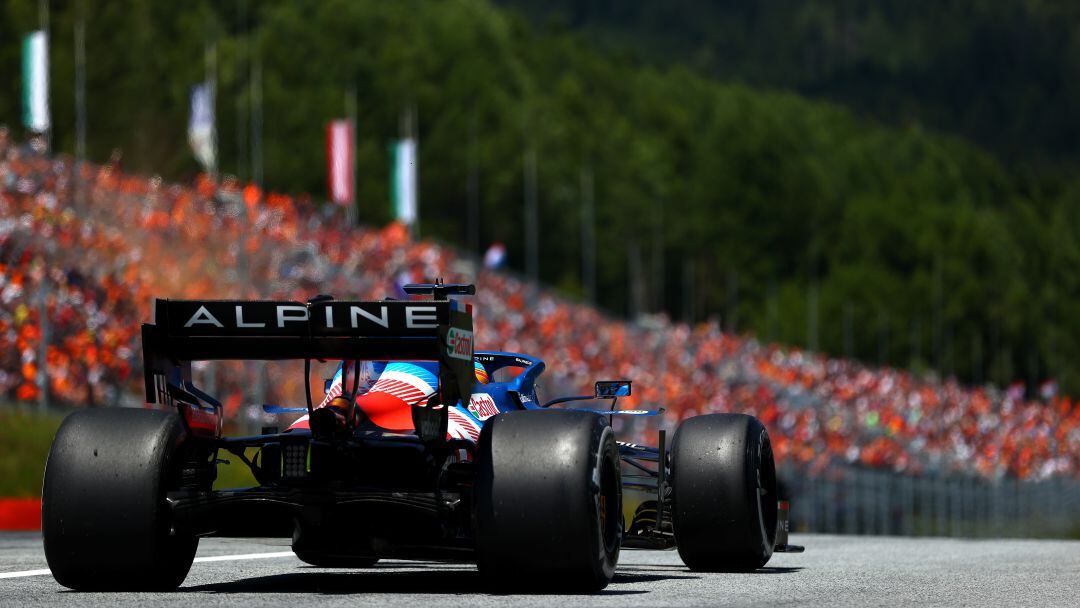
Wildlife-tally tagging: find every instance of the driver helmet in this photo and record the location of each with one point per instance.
(481, 373)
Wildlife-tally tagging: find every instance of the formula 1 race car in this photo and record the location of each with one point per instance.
(535, 495)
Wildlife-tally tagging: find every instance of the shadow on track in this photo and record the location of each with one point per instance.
(679, 570)
(435, 581)
(777, 570)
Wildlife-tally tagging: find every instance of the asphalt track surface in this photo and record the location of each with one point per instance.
(834, 571)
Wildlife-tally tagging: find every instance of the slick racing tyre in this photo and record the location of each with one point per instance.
(724, 499)
(104, 519)
(549, 501)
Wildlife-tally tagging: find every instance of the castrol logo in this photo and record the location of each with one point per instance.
(459, 344)
(482, 406)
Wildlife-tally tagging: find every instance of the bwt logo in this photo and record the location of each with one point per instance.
(459, 344)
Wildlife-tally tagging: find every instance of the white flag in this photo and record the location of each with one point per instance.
(201, 134)
(404, 181)
(36, 81)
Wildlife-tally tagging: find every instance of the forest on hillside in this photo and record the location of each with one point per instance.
(1000, 73)
(801, 220)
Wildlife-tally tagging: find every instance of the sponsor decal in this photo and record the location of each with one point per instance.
(283, 318)
(285, 314)
(459, 344)
(518, 361)
(482, 406)
(428, 423)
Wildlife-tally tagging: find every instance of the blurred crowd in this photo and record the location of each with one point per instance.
(84, 250)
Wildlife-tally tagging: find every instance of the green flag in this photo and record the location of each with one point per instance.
(36, 82)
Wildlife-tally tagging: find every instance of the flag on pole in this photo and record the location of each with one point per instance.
(404, 181)
(339, 161)
(201, 125)
(36, 81)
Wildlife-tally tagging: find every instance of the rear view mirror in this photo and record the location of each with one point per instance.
(609, 389)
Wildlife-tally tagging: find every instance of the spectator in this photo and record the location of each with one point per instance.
(94, 271)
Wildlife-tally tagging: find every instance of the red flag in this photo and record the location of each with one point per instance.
(339, 161)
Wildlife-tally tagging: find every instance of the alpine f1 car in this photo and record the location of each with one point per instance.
(434, 460)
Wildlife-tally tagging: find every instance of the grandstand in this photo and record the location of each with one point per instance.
(79, 273)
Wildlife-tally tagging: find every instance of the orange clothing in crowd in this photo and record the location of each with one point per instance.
(98, 265)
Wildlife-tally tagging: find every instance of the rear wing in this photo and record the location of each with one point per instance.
(200, 330)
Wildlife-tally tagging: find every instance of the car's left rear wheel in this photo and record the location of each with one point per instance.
(104, 519)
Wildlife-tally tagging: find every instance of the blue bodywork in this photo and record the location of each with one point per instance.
(518, 392)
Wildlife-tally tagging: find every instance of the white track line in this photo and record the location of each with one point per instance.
(213, 558)
(229, 558)
(24, 573)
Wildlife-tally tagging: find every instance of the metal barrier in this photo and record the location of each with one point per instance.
(851, 500)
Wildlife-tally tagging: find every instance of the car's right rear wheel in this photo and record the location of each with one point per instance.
(549, 501)
(724, 502)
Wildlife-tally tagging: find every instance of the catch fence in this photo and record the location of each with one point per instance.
(851, 500)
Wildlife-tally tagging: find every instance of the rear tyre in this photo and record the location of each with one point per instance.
(723, 493)
(104, 519)
(549, 501)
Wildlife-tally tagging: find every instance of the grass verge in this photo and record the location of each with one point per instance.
(25, 438)
(24, 447)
